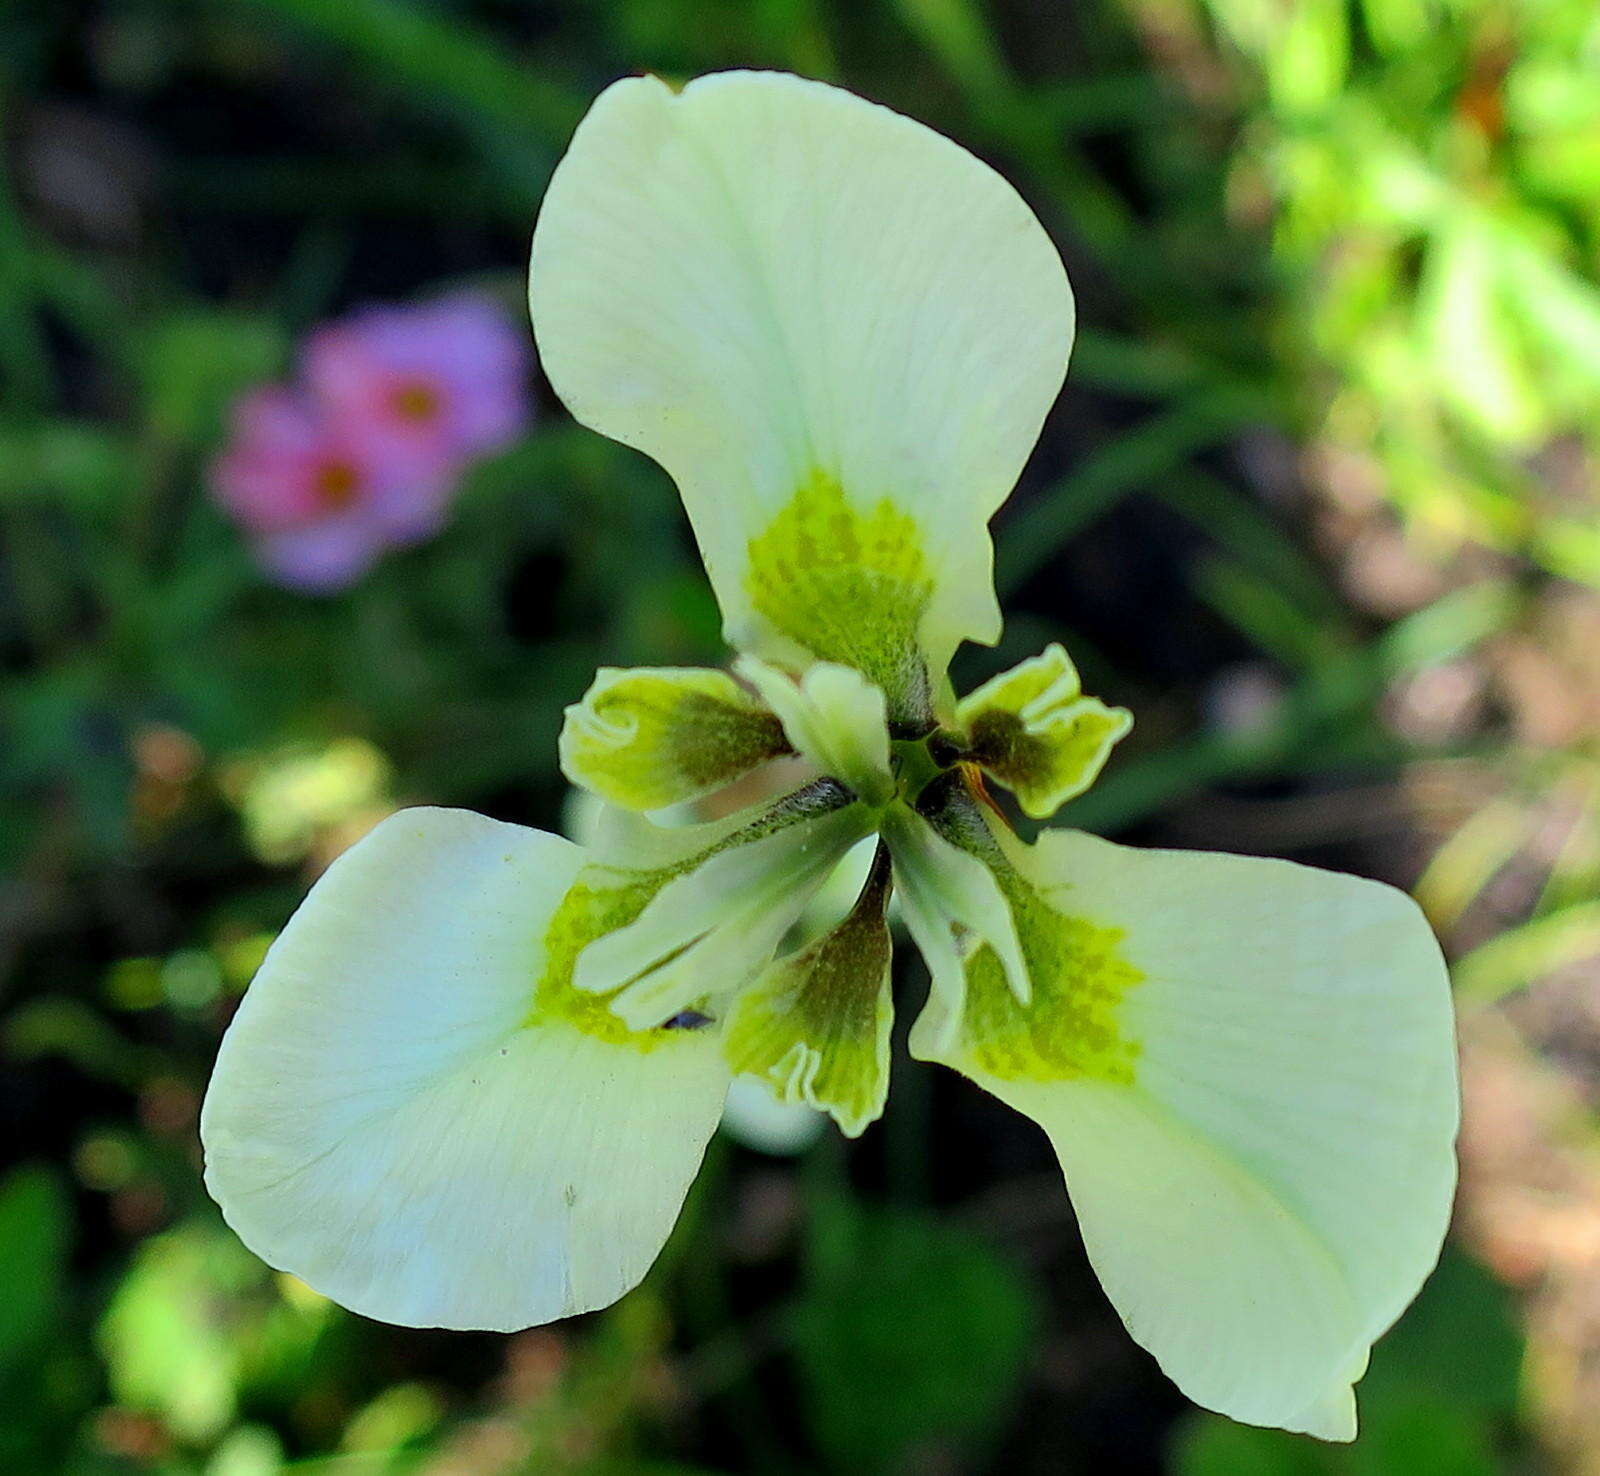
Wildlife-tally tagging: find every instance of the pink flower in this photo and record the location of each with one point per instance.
(367, 454)
(448, 378)
(320, 502)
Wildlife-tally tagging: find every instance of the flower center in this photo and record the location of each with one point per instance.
(336, 485)
(607, 899)
(917, 762)
(416, 401)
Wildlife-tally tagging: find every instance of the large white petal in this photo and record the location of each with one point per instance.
(1269, 1190)
(780, 292)
(387, 1122)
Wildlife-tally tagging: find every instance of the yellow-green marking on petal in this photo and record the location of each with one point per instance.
(601, 901)
(1033, 730)
(607, 898)
(650, 738)
(847, 586)
(815, 1026)
(1070, 1028)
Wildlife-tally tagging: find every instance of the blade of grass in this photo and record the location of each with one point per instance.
(1463, 866)
(1315, 716)
(1263, 614)
(1098, 104)
(1132, 366)
(80, 293)
(333, 190)
(444, 58)
(958, 35)
(316, 266)
(1525, 954)
(1146, 454)
(24, 355)
(1248, 532)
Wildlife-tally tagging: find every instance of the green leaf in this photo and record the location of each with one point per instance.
(1478, 357)
(250, 1450)
(1457, 1343)
(1307, 66)
(955, 30)
(1424, 1439)
(81, 466)
(1559, 309)
(1212, 1446)
(60, 1026)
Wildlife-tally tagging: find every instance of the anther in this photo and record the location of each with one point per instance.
(686, 1020)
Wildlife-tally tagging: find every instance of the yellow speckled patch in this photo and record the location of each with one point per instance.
(1079, 978)
(850, 587)
(600, 902)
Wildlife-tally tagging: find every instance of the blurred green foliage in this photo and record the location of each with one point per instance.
(890, 1296)
(1336, 260)
(1432, 172)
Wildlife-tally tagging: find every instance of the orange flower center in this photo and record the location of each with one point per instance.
(336, 484)
(416, 402)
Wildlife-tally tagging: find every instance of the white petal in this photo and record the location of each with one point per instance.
(770, 286)
(833, 716)
(386, 1122)
(1270, 1190)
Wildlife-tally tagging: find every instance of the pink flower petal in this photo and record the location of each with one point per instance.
(266, 476)
(323, 557)
(447, 378)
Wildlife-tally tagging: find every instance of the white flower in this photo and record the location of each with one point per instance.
(476, 1074)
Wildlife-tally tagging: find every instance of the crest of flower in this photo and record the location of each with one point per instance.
(476, 1074)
